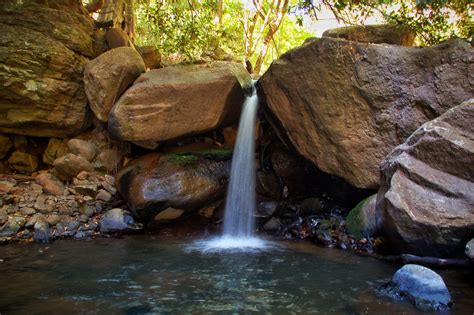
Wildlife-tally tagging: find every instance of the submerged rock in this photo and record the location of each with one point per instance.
(426, 201)
(155, 182)
(118, 220)
(42, 233)
(421, 285)
(45, 45)
(180, 100)
(345, 105)
(10, 228)
(469, 251)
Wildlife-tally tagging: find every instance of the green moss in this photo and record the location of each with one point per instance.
(354, 220)
(192, 157)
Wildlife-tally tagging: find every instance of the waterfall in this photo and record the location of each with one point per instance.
(239, 221)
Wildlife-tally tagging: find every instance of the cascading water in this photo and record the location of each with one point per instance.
(239, 221)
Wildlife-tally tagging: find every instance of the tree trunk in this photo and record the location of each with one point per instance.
(120, 12)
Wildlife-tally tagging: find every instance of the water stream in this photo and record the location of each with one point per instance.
(239, 220)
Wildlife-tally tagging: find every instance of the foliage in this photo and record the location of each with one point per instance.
(185, 28)
(433, 21)
(187, 31)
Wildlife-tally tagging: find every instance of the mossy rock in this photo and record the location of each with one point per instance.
(361, 222)
(192, 157)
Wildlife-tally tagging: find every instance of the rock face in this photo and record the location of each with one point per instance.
(179, 100)
(107, 76)
(424, 287)
(155, 182)
(426, 200)
(45, 45)
(376, 34)
(346, 105)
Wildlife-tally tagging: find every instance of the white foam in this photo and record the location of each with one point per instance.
(232, 244)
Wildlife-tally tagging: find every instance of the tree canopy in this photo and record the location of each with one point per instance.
(258, 31)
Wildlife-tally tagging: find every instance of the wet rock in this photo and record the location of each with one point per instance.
(68, 166)
(311, 206)
(348, 130)
(268, 185)
(208, 212)
(155, 182)
(118, 220)
(266, 209)
(376, 34)
(169, 214)
(42, 233)
(10, 228)
(426, 201)
(83, 148)
(469, 251)
(424, 287)
(323, 237)
(55, 149)
(23, 162)
(361, 221)
(80, 235)
(5, 145)
(45, 47)
(273, 224)
(50, 183)
(108, 76)
(157, 106)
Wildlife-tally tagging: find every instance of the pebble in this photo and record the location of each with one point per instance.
(104, 196)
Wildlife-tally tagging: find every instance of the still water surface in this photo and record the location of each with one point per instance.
(148, 275)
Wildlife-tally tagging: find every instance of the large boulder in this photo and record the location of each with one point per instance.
(345, 105)
(180, 100)
(108, 76)
(376, 34)
(426, 199)
(156, 182)
(44, 47)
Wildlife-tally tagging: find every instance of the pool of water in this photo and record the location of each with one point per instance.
(150, 275)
